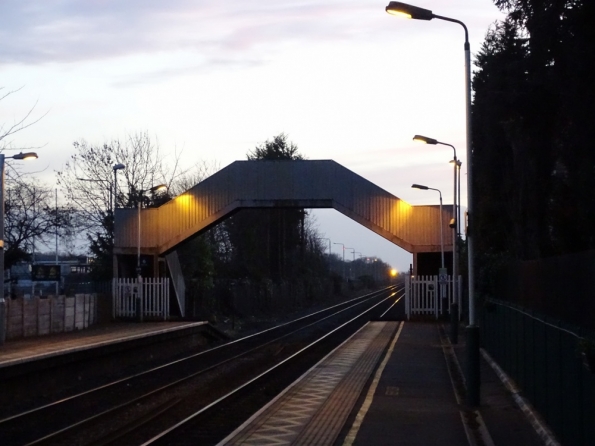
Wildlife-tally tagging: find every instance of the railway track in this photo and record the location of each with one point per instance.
(145, 406)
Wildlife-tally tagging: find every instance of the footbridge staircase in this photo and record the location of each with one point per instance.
(275, 184)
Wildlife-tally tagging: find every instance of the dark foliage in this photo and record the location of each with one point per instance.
(534, 169)
(269, 243)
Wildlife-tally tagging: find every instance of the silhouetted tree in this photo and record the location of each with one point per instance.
(31, 218)
(87, 181)
(534, 169)
(271, 243)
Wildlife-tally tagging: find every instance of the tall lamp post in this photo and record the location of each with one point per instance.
(454, 307)
(421, 187)
(472, 375)
(112, 189)
(442, 270)
(18, 156)
(458, 164)
(139, 277)
(115, 168)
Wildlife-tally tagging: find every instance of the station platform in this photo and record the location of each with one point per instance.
(27, 350)
(391, 383)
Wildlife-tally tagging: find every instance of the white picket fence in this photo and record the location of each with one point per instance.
(152, 292)
(423, 296)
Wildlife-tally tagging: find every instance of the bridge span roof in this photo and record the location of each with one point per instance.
(290, 184)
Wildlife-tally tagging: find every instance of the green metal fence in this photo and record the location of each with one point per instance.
(541, 355)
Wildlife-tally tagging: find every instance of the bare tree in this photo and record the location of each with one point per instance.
(29, 214)
(192, 177)
(88, 181)
(8, 130)
(31, 217)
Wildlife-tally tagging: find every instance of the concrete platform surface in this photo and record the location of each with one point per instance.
(391, 383)
(18, 351)
(409, 398)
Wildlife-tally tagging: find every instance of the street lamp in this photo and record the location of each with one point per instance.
(473, 383)
(139, 277)
(454, 306)
(457, 168)
(115, 168)
(433, 141)
(457, 165)
(112, 191)
(419, 186)
(18, 156)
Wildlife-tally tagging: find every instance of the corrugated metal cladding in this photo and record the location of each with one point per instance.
(309, 184)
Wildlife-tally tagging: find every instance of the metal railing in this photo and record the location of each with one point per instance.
(541, 355)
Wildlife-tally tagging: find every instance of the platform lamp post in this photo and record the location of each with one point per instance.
(472, 375)
(454, 307)
(457, 166)
(139, 277)
(18, 156)
(115, 168)
(343, 257)
(421, 187)
(442, 270)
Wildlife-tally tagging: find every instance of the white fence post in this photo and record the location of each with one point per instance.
(423, 296)
(154, 294)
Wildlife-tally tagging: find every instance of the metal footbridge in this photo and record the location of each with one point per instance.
(282, 184)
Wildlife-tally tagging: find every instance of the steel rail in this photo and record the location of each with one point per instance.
(38, 412)
(256, 379)
(181, 360)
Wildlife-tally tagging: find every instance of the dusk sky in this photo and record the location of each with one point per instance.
(212, 79)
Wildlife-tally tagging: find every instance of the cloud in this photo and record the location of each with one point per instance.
(66, 31)
(168, 74)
